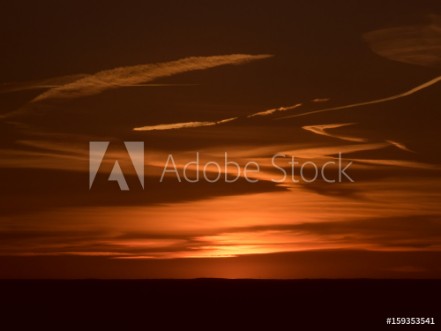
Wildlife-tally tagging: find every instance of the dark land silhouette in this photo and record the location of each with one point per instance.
(230, 304)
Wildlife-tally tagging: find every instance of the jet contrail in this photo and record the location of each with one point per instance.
(87, 85)
(400, 146)
(394, 97)
(141, 74)
(321, 130)
(274, 110)
(184, 125)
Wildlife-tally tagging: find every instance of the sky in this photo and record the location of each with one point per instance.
(331, 84)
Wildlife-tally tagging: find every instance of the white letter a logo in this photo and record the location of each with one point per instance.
(97, 150)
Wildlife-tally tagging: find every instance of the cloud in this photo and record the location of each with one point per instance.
(132, 75)
(417, 44)
(418, 232)
(321, 130)
(184, 125)
(318, 100)
(135, 75)
(197, 238)
(372, 102)
(399, 163)
(400, 146)
(321, 152)
(40, 84)
(274, 110)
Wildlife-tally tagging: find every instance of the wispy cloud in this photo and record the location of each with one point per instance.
(40, 84)
(185, 125)
(319, 100)
(400, 146)
(173, 126)
(416, 44)
(322, 130)
(320, 152)
(372, 102)
(275, 110)
(399, 163)
(54, 82)
(133, 76)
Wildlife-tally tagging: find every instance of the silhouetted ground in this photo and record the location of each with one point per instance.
(218, 303)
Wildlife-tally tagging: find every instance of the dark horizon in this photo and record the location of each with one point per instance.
(336, 264)
(214, 303)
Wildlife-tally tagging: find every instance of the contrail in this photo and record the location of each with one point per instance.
(321, 130)
(400, 146)
(46, 87)
(141, 74)
(184, 125)
(274, 110)
(394, 97)
(136, 75)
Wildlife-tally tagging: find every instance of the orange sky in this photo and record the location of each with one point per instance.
(303, 86)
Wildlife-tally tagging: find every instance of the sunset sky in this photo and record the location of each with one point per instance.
(309, 79)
